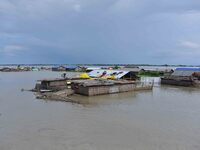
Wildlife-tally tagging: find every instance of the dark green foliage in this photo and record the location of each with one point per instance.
(150, 73)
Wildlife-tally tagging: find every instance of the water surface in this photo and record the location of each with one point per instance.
(167, 118)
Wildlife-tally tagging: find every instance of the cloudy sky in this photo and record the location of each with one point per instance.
(100, 31)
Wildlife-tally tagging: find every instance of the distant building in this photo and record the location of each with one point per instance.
(58, 68)
(185, 72)
(71, 68)
(64, 68)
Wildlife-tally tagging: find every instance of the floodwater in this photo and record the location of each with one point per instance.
(167, 118)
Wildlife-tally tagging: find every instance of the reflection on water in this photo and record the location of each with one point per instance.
(166, 118)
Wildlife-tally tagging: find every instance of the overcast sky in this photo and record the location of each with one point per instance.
(100, 31)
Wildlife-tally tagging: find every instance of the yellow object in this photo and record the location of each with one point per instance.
(84, 76)
(109, 77)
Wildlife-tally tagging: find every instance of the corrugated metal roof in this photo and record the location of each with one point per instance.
(182, 73)
(188, 69)
(98, 73)
(131, 69)
(93, 68)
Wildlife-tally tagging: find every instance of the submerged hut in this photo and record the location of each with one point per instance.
(55, 84)
(51, 84)
(101, 87)
(183, 77)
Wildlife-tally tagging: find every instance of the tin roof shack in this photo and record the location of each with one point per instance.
(116, 74)
(183, 77)
(71, 68)
(100, 87)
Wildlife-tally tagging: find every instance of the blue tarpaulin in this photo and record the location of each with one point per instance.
(55, 67)
(187, 69)
(71, 67)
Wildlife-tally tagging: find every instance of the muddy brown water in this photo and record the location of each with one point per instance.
(167, 118)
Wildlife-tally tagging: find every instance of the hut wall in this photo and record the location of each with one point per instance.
(100, 90)
(81, 90)
(57, 85)
(176, 82)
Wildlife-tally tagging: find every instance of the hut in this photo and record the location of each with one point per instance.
(55, 84)
(51, 84)
(100, 87)
(71, 68)
(183, 77)
(58, 68)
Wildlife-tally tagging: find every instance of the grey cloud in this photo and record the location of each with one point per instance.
(106, 31)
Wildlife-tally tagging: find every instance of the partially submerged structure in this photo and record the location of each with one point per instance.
(89, 87)
(183, 77)
(64, 68)
(100, 87)
(53, 84)
(97, 82)
(71, 68)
